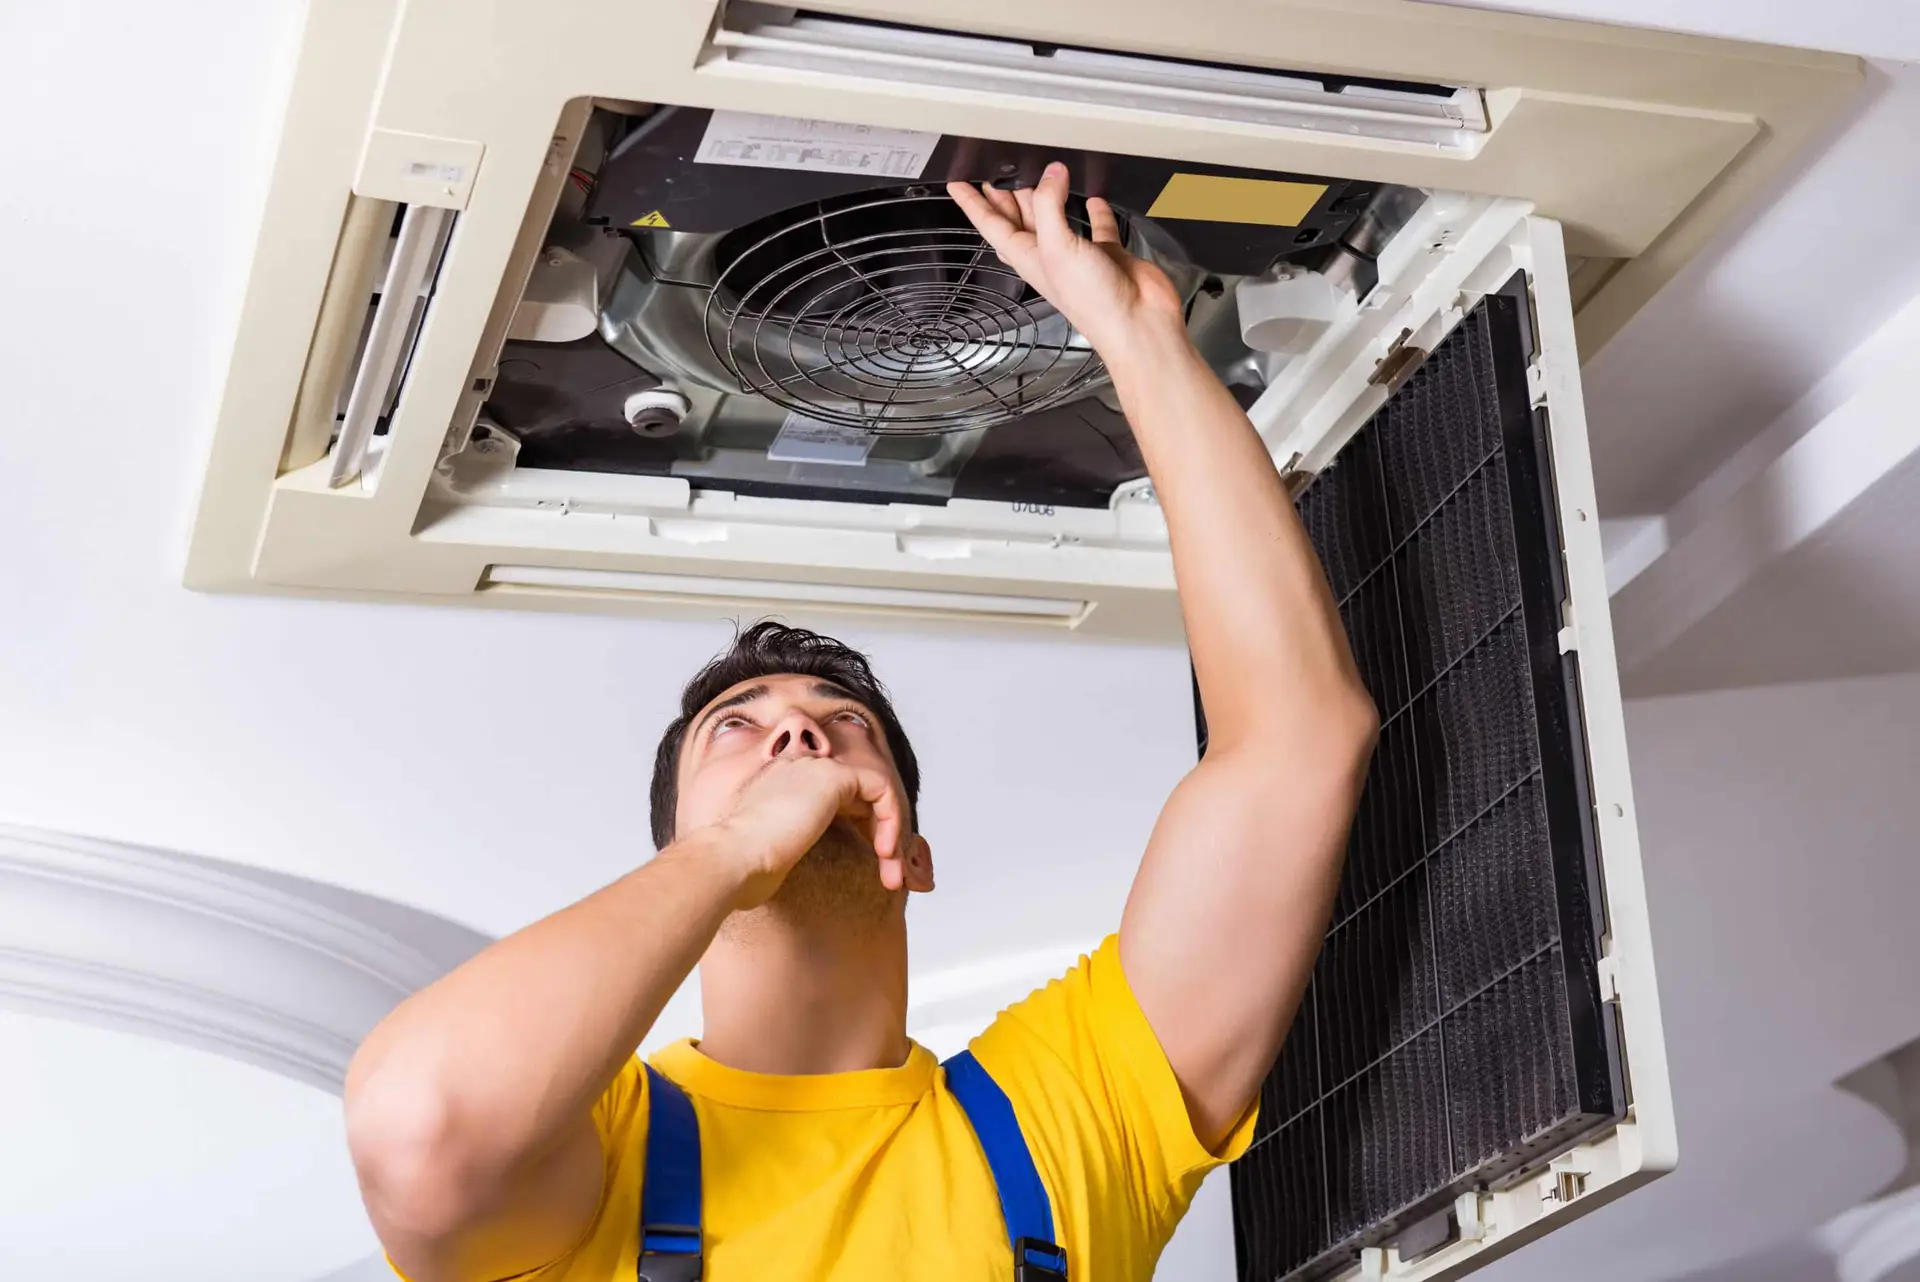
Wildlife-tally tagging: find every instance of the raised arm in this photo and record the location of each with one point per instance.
(469, 1109)
(1231, 902)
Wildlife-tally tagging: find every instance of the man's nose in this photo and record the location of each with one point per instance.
(798, 735)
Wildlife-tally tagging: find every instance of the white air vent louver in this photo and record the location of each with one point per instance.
(756, 35)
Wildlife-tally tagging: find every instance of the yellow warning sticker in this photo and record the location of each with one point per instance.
(654, 219)
(1214, 198)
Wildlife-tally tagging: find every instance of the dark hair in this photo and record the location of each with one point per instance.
(771, 649)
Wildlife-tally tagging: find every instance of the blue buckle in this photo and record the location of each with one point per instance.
(1037, 1260)
(669, 1253)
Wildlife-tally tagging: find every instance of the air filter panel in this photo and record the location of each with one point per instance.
(1453, 1036)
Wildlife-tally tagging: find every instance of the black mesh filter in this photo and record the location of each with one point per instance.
(1453, 1035)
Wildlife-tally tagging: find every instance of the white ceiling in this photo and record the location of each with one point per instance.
(1748, 327)
(1846, 601)
(490, 766)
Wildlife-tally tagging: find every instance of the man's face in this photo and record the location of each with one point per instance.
(756, 722)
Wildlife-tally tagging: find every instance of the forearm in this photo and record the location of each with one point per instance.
(1231, 902)
(1267, 643)
(473, 1081)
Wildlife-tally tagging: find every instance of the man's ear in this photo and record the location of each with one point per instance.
(919, 863)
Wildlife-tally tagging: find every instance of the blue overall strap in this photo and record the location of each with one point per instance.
(1037, 1256)
(670, 1188)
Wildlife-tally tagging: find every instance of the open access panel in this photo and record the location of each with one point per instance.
(1456, 1070)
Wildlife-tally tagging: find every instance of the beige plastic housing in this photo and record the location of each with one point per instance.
(1637, 144)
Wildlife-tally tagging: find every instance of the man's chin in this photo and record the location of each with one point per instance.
(838, 880)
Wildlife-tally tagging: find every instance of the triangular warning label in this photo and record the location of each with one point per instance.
(654, 219)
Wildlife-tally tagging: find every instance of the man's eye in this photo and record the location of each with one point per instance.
(857, 718)
(722, 724)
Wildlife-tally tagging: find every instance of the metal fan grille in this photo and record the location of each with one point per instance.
(894, 316)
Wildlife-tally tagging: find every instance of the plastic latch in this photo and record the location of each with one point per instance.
(669, 1253)
(1606, 973)
(1469, 1217)
(657, 1266)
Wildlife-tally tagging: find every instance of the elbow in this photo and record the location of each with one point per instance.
(1346, 732)
(1359, 724)
(414, 1172)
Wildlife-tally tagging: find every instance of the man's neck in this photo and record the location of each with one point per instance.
(781, 996)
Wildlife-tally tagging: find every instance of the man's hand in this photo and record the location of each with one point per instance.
(790, 804)
(1104, 291)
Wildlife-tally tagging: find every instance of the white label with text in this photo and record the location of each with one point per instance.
(824, 146)
(809, 440)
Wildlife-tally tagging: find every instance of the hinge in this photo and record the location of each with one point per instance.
(1397, 366)
(1293, 476)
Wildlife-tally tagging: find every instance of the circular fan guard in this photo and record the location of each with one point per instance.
(894, 316)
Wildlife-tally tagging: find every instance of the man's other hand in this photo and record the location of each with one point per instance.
(1104, 291)
(785, 809)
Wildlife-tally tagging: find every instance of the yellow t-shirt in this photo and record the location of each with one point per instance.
(858, 1177)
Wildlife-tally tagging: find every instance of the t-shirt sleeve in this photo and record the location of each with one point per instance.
(620, 1117)
(1102, 1110)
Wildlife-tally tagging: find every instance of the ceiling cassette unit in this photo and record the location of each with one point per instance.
(662, 309)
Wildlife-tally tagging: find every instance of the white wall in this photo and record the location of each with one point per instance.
(1779, 829)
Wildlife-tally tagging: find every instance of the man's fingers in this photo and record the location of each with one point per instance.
(1100, 219)
(1003, 200)
(1023, 198)
(1009, 239)
(990, 222)
(1047, 210)
(876, 791)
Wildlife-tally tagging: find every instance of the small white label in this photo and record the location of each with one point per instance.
(435, 172)
(826, 146)
(808, 440)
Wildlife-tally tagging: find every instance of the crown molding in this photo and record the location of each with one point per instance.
(1874, 1240)
(225, 959)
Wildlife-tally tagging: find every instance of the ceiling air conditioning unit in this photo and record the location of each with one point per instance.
(661, 309)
